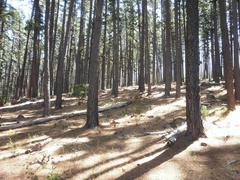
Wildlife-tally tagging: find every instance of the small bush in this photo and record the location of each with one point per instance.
(12, 143)
(204, 110)
(2, 101)
(80, 90)
(53, 175)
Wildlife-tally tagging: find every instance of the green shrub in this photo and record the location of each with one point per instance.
(53, 175)
(204, 110)
(80, 90)
(2, 101)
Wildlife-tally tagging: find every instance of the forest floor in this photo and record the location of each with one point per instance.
(129, 144)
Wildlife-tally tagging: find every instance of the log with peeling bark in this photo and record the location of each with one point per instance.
(21, 124)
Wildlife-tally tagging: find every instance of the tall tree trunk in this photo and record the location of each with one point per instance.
(216, 43)
(213, 56)
(79, 74)
(141, 80)
(33, 89)
(146, 46)
(22, 73)
(51, 36)
(168, 63)
(239, 16)
(236, 50)
(193, 114)
(92, 103)
(87, 54)
(46, 83)
(108, 67)
(7, 91)
(115, 48)
(104, 55)
(69, 61)
(178, 48)
(180, 41)
(52, 57)
(2, 7)
(228, 68)
(62, 54)
(154, 42)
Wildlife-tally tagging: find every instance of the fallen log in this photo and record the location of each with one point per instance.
(41, 120)
(30, 105)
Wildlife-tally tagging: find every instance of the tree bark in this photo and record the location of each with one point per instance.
(62, 54)
(92, 103)
(22, 75)
(216, 44)
(193, 114)
(228, 68)
(178, 53)
(104, 55)
(141, 80)
(154, 42)
(168, 62)
(115, 16)
(87, 53)
(52, 57)
(236, 50)
(79, 74)
(51, 36)
(33, 89)
(46, 84)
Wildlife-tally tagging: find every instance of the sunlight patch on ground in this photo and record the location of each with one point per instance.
(215, 88)
(53, 147)
(67, 157)
(168, 171)
(164, 109)
(157, 94)
(226, 128)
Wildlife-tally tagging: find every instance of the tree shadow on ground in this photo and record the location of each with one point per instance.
(76, 170)
(181, 144)
(224, 159)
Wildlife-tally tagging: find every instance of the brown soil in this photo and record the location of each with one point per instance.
(119, 148)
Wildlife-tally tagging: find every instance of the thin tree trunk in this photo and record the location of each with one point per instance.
(115, 48)
(51, 36)
(62, 54)
(22, 73)
(154, 42)
(9, 74)
(213, 56)
(216, 43)
(146, 46)
(104, 55)
(168, 62)
(178, 53)
(141, 76)
(46, 83)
